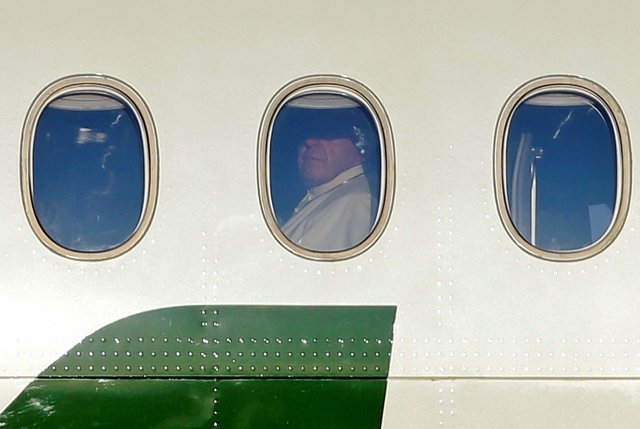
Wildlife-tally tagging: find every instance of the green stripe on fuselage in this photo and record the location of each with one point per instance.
(222, 366)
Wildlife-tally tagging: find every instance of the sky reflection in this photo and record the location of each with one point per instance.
(561, 171)
(88, 172)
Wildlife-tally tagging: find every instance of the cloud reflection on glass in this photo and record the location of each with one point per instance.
(88, 184)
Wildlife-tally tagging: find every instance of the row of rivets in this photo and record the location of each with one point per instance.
(215, 368)
(240, 340)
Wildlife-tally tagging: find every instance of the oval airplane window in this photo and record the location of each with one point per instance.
(89, 167)
(326, 167)
(563, 168)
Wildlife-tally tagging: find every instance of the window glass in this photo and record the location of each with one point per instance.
(326, 176)
(561, 170)
(88, 172)
(325, 171)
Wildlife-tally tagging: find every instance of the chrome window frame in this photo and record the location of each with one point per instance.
(93, 84)
(580, 86)
(339, 85)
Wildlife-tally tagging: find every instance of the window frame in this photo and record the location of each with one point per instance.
(583, 87)
(100, 85)
(339, 85)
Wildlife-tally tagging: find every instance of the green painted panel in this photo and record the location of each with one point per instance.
(117, 404)
(219, 367)
(304, 404)
(195, 404)
(237, 341)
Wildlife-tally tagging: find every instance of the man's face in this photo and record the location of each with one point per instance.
(321, 160)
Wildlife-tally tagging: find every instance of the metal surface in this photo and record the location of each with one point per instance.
(237, 341)
(197, 403)
(203, 366)
(542, 338)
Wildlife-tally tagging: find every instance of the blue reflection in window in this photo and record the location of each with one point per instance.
(328, 117)
(88, 184)
(561, 171)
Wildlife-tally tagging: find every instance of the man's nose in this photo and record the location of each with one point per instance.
(308, 145)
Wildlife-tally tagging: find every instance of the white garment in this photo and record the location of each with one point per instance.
(334, 216)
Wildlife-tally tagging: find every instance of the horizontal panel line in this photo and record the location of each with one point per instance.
(514, 378)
